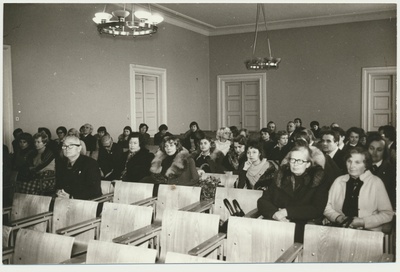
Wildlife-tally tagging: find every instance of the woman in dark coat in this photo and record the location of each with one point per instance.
(208, 159)
(192, 137)
(236, 156)
(137, 160)
(299, 192)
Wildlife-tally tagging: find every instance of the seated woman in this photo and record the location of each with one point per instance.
(162, 132)
(123, 138)
(143, 128)
(236, 155)
(21, 155)
(353, 136)
(256, 173)
(173, 164)
(137, 160)
(223, 142)
(191, 138)
(268, 143)
(359, 197)
(208, 159)
(299, 192)
(41, 168)
(75, 132)
(281, 149)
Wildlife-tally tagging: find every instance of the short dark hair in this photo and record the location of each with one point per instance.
(162, 127)
(256, 145)
(339, 130)
(46, 130)
(298, 119)
(302, 135)
(281, 133)
(332, 132)
(142, 142)
(355, 130)
(213, 146)
(389, 131)
(264, 130)
(17, 131)
(128, 128)
(43, 135)
(194, 123)
(376, 137)
(362, 151)
(102, 129)
(26, 137)
(314, 123)
(144, 125)
(242, 140)
(62, 129)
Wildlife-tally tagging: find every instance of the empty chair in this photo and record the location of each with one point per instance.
(107, 190)
(35, 247)
(332, 244)
(100, 252)
(173, 257)
(26, 211)
(252, 240)
(133, 193)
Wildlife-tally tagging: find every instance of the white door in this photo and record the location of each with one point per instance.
(146, 102)
(8, 122)
(379, 98)
(242, 104)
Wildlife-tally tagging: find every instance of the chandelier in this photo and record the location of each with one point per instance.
(262, 63)
(117, 23)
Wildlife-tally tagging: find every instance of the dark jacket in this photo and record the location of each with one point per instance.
(339, 160)
(197, 136)
(263, 182)
(138, 166)
(158, 137)
(387, 173)
(213, 162)
(90, 142)
(111, 162)
(229, 157)
(82, 181)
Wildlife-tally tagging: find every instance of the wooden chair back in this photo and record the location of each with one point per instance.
(175, 197)
(331, 244)
(68, 212)
(118, 219)
(34, 247)
(247, 200)
(227, 180)
(25, 205)
(130, 192)
(182, 231)
(173, 257)
(106, 187)
(101, 252)
(252, 240)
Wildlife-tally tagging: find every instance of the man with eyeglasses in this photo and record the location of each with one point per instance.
(90, 141)
(77, 176)
(110, 158)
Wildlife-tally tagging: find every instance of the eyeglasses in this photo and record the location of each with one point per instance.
(60, 132)
(69, 146)
(298, 161)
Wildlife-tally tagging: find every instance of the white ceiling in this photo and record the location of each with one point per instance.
(228, 18)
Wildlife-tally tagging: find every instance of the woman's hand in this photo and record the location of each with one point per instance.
(281, 215)
(62, 194)
(358, 223)
(340, 219)
(200, 172)
(247, 164)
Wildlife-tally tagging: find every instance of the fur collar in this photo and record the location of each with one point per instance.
(177, 167)
(216, 154)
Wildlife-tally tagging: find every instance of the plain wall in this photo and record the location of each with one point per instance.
(320, 75)
(65, 73)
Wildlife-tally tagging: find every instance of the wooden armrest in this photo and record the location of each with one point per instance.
(31, 220)
(386, 258)
(253, 213)
(104, 198)
(80, 227)
(290, 254)
(208, 246)
(387, 228)
(7, 210)
(199, 206)
(7, 253)
(145, 202)
(80, 259)
(140, 235)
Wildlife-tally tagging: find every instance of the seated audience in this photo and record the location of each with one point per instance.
(352, 138)
(381, 164)
(137, 160)
(173, 164)
(143, 128)
(75, 132)
(15, 143)
(257, 172)
(281, 148)
(330, 146)
(299, 192)
(191, 138)
(123, 141)
(208, 159)
(236, 155)
(41, 167)
(77, 176)
(359, 196)
(110, 159)
(89, 140)
(223, 137)
(162, 132)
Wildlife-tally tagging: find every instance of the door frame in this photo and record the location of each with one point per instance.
(367, 74)
(223, 79)
(161, 75)
(8, 108)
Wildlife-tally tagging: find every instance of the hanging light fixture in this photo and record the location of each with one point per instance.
(142, 23)
(262, 63)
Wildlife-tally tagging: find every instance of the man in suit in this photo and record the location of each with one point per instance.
(110, 158)
(89, 140)
(77, 176)
(330, 146)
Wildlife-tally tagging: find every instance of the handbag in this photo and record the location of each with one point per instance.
(236, 210)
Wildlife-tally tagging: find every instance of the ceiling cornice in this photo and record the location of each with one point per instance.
(181, 20)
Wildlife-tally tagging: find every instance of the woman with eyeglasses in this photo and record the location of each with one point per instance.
(359, 198)
(299, 192)
(76, 133)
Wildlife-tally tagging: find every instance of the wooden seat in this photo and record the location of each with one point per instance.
(133, 192)
(173, 257)
(180, 231)
(107, 190)
(101, 252)
(227, 180)
(26, 212)
(331, 244)
(35, 247)
(251, 240)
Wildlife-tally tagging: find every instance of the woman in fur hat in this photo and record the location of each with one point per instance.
(173, 164)
(208, 159)
(299, 192)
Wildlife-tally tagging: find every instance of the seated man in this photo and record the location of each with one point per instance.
(110, 158)
(330, 146)
(89, 140)
(77, 176)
